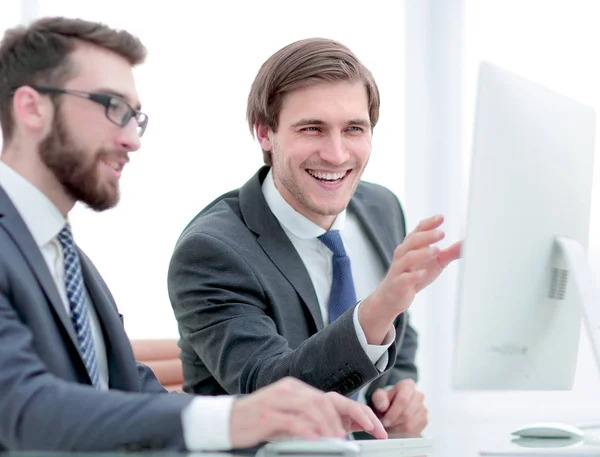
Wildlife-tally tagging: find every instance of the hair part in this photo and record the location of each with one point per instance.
(38, 54)
(302, 64)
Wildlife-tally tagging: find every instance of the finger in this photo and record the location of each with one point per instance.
(285, 425)
(418, 240)
(414, 408)
(304, 399)
(422, 422)
(380, 400)
(317, 409)
(411, 427)
(378, 430)
(417, 258)
(401, 401)
(429, 223)
(449, 254)
(353, 410)
(323, 409)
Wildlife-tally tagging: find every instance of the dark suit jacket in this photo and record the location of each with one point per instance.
(247, 310)
(46, 402)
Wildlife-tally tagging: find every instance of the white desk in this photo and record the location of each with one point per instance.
(488, 439)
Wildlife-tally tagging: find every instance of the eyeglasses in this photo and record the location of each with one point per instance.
(118, 111)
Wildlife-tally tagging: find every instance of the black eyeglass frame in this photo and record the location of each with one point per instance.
(104, 100)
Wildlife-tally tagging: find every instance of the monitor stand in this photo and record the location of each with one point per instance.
(570, 265)
(572, 255)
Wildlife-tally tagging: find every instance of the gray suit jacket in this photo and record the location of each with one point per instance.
(247, 310)
(46, 402)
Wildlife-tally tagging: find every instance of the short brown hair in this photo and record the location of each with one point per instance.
(301, 64)
(38, 54)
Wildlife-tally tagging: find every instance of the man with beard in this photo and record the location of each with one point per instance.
(70, 116)
(267, 281)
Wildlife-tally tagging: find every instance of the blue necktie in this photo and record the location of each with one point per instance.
(343, 295)
(78, 303)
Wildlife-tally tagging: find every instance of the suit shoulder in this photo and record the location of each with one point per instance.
(221, 219)
(371, 192)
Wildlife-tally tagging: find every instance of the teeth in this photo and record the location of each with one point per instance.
(114, 165)
(327, 176)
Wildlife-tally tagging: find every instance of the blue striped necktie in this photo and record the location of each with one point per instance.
(78, 303)
(343, 295)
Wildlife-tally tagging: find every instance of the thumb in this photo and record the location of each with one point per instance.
(380, 400)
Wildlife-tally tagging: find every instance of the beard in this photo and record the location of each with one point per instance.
(75, 170)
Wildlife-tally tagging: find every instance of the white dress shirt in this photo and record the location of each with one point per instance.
(205, 421)
(303, 234)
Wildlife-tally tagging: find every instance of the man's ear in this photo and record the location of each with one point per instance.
(30, 110)
(263, 133)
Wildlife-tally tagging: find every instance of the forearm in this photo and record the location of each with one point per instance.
(248, 353)
(65, 416)
(43, 412)
(376, 319)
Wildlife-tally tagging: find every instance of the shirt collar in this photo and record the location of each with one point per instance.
(41, 216)
(289, 218)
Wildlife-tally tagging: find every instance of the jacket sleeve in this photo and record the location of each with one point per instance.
(224, 314)
(43, 412)
(405, 367)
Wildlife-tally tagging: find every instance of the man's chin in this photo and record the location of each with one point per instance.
(102, 203)
(329, 209)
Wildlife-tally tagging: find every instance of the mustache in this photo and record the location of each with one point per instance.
(105, 153)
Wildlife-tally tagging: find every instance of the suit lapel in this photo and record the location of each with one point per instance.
(18, 231)
(374, 224)
(276, 244)
(122, 371)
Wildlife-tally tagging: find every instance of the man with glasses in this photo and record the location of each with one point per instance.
(70, 116)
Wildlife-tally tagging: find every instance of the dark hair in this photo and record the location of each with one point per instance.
(301, 64)
(39, 55)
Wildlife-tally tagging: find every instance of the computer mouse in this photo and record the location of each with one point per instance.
(330, 447)
(549, 430)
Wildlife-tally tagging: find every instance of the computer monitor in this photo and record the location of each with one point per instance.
(523, 277)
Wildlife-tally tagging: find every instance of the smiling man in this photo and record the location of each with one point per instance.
(307, 271)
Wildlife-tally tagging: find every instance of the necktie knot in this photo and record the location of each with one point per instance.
(333, 240)
(65, 237)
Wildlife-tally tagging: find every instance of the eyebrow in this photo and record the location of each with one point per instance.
(137, 107)
(301, 122)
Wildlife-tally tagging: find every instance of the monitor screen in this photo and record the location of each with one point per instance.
(519, 312)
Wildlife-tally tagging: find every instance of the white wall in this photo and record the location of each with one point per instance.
(203, 58)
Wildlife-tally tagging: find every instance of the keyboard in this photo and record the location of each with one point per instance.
(339, 447)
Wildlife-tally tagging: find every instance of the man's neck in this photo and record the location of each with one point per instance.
(38, 174)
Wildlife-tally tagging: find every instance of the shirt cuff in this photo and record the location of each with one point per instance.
(376, 353)
(205, 422)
